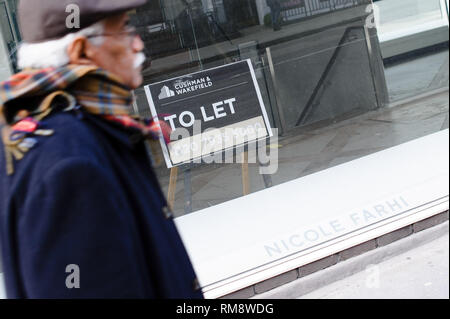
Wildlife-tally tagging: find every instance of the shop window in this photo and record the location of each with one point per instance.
(322, 77)
(328, 66)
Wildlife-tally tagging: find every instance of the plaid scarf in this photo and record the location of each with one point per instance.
(28, 97)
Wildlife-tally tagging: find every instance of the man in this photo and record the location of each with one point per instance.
(81, 212)
(275, 10)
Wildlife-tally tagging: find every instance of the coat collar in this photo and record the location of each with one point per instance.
(129, 137)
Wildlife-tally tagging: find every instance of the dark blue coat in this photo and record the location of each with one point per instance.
(88, 196)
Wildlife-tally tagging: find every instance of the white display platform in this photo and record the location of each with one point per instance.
(244, 241)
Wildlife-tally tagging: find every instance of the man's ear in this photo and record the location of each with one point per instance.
(79, 51)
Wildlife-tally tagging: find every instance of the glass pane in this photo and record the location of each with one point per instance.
(403, 14)
(339, 79)
(405, 27)
(5, 43)
(322, 77)
(9, 29)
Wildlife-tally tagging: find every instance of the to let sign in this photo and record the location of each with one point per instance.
(209, 111)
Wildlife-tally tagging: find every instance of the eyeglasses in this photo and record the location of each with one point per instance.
(131, 33)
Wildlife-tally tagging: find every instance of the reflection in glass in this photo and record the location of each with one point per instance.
(339, 78)
(326, 77)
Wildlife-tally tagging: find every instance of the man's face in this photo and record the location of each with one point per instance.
(118, 52)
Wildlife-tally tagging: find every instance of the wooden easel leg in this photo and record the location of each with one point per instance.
(172, 187)
(245, 178)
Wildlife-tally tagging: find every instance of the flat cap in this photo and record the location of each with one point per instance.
(42, 20)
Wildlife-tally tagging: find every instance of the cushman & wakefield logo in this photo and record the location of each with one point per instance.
(182, 86)
(165, 93)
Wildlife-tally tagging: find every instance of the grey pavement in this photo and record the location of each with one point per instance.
(416, 267)
(422, 272)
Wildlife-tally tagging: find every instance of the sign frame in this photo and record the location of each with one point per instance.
(165, 150)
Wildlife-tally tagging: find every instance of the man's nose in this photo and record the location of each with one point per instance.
(138, 44)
